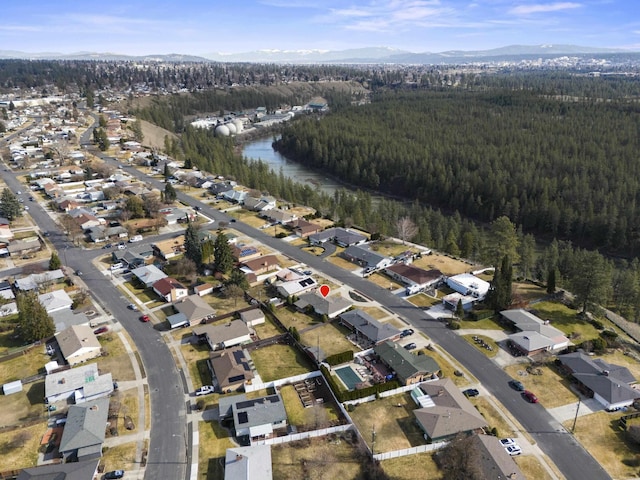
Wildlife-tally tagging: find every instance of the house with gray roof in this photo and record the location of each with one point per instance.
(84, 431)
(445, 411)
(224, 335)
(55, 301)
(329, 306)
(296, 287)
(36, 280)
(78, 344)
(608, 383)
(340, 236)
(148, 274)
(195, 308)
(363, 256)
(368, 328)
(62, 471)
(27, 245)
(535, 335)
(493, 460)
(248, 463)
(231, 368)
(80, 384)
(258, 418)
(134, 256)
(409, 368)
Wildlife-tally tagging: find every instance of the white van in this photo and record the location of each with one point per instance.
(116, 266)
(135, 238)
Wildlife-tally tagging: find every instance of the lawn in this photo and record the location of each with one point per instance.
(550, 387)
(331, 339)
(128, 407)
(480, 348)
(314, 417)
(145, 295)
(223, 305)
(267, 329)
(30, 363)
(325, 458)
(599, 434)
(24, 405)
(279, 361)
(423, 300)
(391, 249)
(393, 421)
(565, 319)
(117, 361)
(196, 356)
(527, 291)
(413, 467)
(484, 324)
(375, 312)
(291, 317)
(532, 468)
(212, 444)
(20, 447)
(314, 250)
(120, 457)
(384, 281)
(342, 263)
(493, 417)
(447, 265)
(447, 368)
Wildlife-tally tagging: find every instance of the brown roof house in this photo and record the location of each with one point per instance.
(78, 344)
(195, 308)
(231, 368)
(303, 229)
(416, 279)
(409, 368)
(170, 289)
(262, 264)
(445, 411)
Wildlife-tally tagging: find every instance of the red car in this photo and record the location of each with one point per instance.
(144, 318)
(529, 396)
(101, 330)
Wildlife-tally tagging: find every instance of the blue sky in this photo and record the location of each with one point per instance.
(137, 27)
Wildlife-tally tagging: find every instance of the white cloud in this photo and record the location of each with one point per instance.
(543, 8)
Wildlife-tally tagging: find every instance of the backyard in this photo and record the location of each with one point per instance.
(20, 447)
(279, 361)
(392, 420)
(291, 317)
(447, 265)
(330, 337)
(314, 417)
(566, 320)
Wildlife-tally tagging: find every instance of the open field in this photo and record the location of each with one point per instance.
(212, 448)
(325, 458)
(447, 265)
(279, 361)
(393, 420)
(550, 387)
(117, 360)
(20, 447)
(600, 435)
(330, 337)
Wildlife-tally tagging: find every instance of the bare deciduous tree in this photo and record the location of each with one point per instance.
(406, 229)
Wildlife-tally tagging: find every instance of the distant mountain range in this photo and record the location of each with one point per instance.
(353, 56)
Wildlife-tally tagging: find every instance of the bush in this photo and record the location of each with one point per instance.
(339, 358)
(597, 324)
(281, 235)
(454, 325)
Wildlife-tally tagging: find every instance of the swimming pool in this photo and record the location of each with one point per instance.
(348, 377)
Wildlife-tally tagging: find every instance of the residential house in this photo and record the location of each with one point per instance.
(39, 280)
(195, 308)
(534, 335)
(170, 290)
(178, 320)
(203, 289)
(63, 319)
(55, 301)
(367, 328)
(6, 292)
(259, 204)
(133, 256)
(63, 471)
(252, 317)
(80, 384)
(303, 228)
(408, 368)
(608, 383)
(414, 278)
(261, 264)
(218, 188)
(148, 274)
(248, 463)
(469, 285)
(178, 215)
(224, 335)
(5, 230)
(276, 215)
(369, 260)
(296, 287)
(329, 306)
(242, 253)
(235, 196)
(340, 236)
(492, 460)
(78, 344)
(84, 431)
(24, 246)
(289, 275)
(169, 248)
(102, 234)
(445, 412)
(258, 418)
(86, 221)
(231, 368)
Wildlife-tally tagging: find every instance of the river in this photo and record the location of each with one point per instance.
(262, 150)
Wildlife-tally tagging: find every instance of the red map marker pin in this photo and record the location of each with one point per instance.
(324, 290)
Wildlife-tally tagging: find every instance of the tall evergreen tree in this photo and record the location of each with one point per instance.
(170, 194)
(9, 205)
(54, 261)
(222, 253)
(35, 323)
(590, 278)
(551, 281)
(192, 247)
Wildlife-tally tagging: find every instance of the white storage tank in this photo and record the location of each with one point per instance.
(222, 130)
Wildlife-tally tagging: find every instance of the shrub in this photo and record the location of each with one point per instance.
(597, 324)
(454, 325)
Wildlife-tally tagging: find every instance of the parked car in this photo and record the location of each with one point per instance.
(471, 392)
(513, 450)
(114, 474)
(79, 273)
(205, 390)
(144, 318)
(46, 234)
(196, 208)
(529, 396)
(122, 246)
(100, 330)
(410, 346)
(26, 207)
(406, 332)
(507, 442)
(108, 245)
(516, 385)
(133, 307)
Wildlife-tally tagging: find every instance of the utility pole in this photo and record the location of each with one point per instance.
(575, 419)
(373, 440)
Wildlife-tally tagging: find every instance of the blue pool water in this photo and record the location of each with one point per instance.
(348, 377)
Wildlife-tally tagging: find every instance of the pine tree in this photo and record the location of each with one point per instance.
(9, 205)
(222, 253)
(551, 281)
(192, 247)
(170, 193)
(459, 310)
(35, 322)
(54, 261)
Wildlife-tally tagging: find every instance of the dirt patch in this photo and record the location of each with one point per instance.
(154, 135)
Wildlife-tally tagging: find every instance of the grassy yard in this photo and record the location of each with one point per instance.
(412, 467)
(212, 448)
(279, 361)
(145, 295)
(493, 417)
(30, 363)
(315, 250)
(484, 324)
(480, 348)
(565, 319)
(223, 305)
(384, 281)
(447, 368)
(195, 356)
(391, 249)
(322, 458)
(342, 263)
(393, 420)
(447, 265)
(20, 447)
(423, 300)
(532, 468)
(128, 407)
(330, 337)
(299, 416)
(527, 291)
(291, 317)
(267, 329)
(120, 457)
(599, 434)
(550, 387)
(375, 312)
(24, 405)
(117, 360)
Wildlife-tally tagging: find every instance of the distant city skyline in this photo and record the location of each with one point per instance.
(196, 27)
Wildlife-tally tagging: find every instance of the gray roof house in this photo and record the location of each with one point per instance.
(366, 258)
(535, 335)
(82, 384)
(368, 328)
(329, 306)
(296, 287)
(84, 430)
(608, 383)
(78, 344)
(258, 418)
(493, 460)
(148, 275)
(248, 463)
(133, 256)
(409, 368)
(195, 308)
(340, 236)
(445, 411)
(35, 280)
(55, 301)
(224, 335)
(61, 471)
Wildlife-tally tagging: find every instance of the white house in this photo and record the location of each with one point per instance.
(226, 335)
(81, 384)
(78, 344)
(468, 284)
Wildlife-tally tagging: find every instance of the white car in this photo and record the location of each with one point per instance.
(513, 450)
(205, 390)
(26, 207)
(507, 442)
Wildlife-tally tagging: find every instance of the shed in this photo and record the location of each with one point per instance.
(12, 387)
(178, 320)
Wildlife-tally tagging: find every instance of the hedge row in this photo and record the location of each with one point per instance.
(338, 358)
(344, 395)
